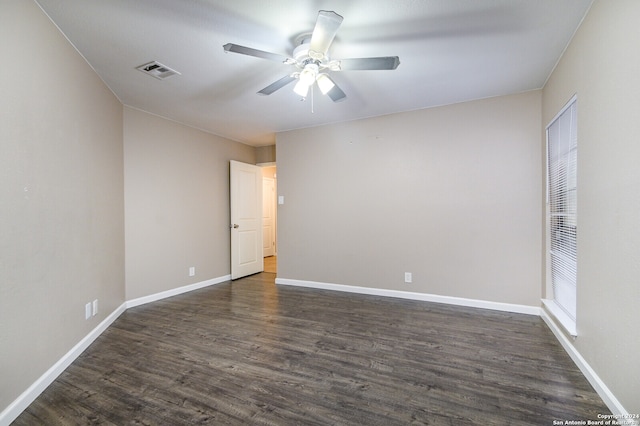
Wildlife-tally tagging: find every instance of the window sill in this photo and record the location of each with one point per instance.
(563, 319)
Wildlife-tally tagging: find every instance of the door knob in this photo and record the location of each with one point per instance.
(235, 226)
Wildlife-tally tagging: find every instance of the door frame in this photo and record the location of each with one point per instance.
(274, 209)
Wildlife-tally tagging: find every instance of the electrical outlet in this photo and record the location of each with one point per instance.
(192, 271)
(94, 307)
(87, 311)
(407, 277)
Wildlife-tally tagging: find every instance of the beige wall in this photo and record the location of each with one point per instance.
(450, 194)
(266, 154)
(61, 191)
(456, 201)
(177, 203)
(62, 179)
(602, 66)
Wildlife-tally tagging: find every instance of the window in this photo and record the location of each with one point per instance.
(562, 155)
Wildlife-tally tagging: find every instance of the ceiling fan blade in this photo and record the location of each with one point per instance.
(325, 31)
(235, 48)
(276, 85)
(381, 63)
(336, 94)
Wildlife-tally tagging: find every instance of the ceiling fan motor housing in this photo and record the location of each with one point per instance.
(301, 52)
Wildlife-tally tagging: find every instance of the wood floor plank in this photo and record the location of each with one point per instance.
(249, 352)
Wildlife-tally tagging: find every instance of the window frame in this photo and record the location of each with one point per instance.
(565, 208)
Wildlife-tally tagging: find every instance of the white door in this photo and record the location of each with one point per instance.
(246, 220)
(268, 217)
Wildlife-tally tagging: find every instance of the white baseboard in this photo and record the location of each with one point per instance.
(425, 297)
(601, 389)
(14, 409)
(175, 291)
(10, 413)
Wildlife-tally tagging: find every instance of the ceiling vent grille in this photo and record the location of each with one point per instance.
(157, 70)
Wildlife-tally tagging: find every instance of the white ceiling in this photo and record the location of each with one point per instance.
(450, 51)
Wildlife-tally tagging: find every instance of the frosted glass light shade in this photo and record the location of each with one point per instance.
(301, 88)
(308, 75)
(325, 83)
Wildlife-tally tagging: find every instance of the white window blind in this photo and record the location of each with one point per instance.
(562, 155)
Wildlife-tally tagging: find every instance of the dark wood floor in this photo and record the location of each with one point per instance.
(248, 352)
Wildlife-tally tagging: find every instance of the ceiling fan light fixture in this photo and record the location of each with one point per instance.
(301, 88)
(308, 74)
(306, 79)
(325, 84)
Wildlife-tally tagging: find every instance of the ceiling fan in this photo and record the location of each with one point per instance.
(312, 61)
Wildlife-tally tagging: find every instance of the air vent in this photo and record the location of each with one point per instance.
(157, 70)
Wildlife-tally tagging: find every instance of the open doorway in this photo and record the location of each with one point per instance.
(269, 219)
